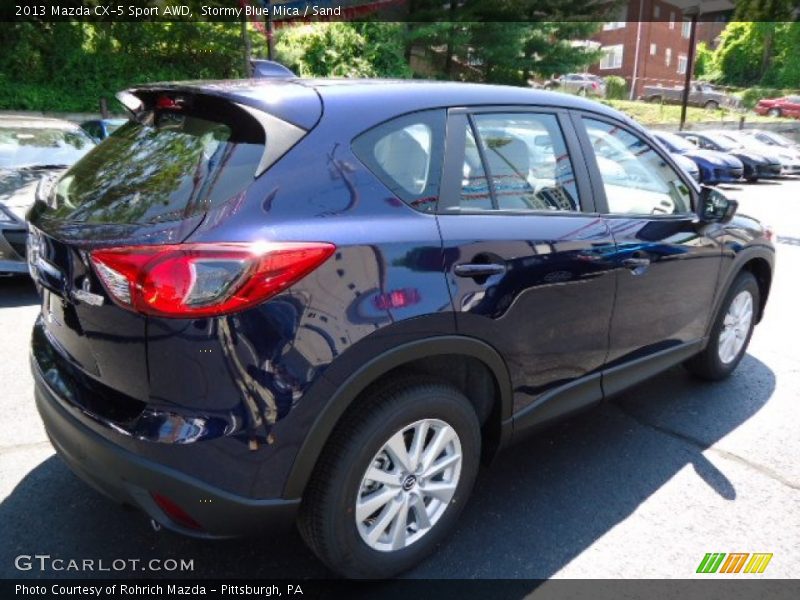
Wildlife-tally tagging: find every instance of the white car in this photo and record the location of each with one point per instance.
(788, 157)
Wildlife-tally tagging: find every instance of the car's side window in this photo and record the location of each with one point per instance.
(93, 129)
(519, 162)
(406, 155)
(636, 178)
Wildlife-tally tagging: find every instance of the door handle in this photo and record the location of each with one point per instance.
(479, 269)
(636, 263)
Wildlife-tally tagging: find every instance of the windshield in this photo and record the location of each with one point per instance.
(675, 142)
(40, 146)
(173, 167)
(777, 138)
(723, 141)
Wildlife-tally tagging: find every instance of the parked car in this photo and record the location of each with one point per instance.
(787, 106)
(687, 164)
(329, 299)
(756, 165)
(788, 158)
(714, 167)
(583, 84)
(773, 138)
(100, 129)
(700, 94)
(30, 149)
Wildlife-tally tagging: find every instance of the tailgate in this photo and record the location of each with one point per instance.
(151, 182)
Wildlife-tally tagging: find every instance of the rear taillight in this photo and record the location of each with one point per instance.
(203, 280)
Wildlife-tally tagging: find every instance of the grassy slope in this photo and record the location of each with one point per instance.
(670, 114)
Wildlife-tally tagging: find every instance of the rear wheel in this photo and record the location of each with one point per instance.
(393, 479)
(711, 105)
(731, 332)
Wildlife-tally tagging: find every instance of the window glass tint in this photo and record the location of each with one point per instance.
(527, 161)
(406, 155)
(636, 179)
(169, 168)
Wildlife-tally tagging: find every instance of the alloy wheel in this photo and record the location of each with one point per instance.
(735, 327)
(408, 485)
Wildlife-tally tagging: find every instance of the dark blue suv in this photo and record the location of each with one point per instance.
(330, 300)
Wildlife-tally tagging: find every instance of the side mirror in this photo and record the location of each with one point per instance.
(714, 206)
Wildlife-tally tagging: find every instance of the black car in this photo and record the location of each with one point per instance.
(31, 149)
(329, 300)
(756, 164)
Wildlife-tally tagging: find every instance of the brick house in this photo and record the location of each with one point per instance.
(655, 49)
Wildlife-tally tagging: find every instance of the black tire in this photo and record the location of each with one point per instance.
(753, 179)
(327, 515)
(711, 105)
(708, 365)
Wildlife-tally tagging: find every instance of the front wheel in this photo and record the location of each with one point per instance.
(711, 105)
(731, 332)
(393, 479)
(774, 112)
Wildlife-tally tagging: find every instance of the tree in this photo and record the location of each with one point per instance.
(343, 50)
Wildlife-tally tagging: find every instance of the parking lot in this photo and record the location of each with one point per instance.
(643, 486)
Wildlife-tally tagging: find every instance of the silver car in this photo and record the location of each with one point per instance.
(583, 84)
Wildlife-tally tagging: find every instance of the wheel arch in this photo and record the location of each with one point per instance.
(758, 260)
(436, 351)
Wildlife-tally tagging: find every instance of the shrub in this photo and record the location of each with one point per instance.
(616, 88)
(751, 96)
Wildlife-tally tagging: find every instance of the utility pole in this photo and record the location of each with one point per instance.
(248, 50)
(695, 11)
(270, 31)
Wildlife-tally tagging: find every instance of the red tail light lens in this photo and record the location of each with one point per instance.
(204, 280)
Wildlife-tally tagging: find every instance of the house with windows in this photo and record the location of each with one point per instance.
(653, 49)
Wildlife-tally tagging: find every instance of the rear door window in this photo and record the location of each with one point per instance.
(406, 155)
(518, 162)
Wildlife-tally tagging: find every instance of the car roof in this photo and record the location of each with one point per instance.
(377, 98)
(11, 121)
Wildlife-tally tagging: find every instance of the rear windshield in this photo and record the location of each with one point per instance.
(167, 166)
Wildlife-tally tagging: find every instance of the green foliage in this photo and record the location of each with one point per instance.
(705, 67)
(752, 95)
(343, 50)
(68, 66)
(756, 53)
(616, 88)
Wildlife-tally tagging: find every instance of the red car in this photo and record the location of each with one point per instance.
(788, 106)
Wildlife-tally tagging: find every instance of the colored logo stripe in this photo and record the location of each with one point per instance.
(713, 562)
(758, 563)
(734, 562)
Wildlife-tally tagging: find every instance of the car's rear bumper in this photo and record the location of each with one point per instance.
(134, 480)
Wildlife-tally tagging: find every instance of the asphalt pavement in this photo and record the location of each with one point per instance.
(641, 487)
